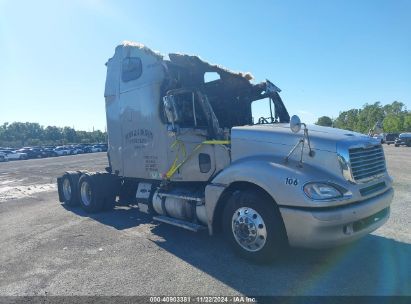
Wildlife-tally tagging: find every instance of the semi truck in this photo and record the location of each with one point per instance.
(183, 146)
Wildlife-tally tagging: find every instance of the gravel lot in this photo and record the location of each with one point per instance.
(46, 249)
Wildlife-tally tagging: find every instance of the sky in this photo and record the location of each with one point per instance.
(326, 56)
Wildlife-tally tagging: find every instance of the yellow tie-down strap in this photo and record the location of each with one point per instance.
(181, 147)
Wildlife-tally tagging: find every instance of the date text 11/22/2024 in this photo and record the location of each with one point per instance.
(202, 299)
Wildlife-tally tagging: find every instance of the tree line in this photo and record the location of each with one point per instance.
(392, 118)
(20, 134)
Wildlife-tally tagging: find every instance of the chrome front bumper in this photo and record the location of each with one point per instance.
(313, 228)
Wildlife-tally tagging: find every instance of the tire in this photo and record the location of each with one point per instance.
(264, 238)
(69, 188)
(96, 192)
(89, 193)
(396, 145)
(110, 188)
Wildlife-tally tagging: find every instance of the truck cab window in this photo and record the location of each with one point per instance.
(263, 111)
(131, 69)
(190, 112)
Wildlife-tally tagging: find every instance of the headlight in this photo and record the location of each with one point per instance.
(321, 191)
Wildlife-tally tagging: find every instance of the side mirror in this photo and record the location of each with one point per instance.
(295, 124)
(170, 109)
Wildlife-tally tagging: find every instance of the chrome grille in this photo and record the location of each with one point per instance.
(367, 163)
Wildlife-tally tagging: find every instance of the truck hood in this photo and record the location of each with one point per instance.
(321, 138)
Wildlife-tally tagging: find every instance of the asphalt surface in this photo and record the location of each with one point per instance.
(47, 249)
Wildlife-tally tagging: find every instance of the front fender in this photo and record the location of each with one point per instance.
(282, 181)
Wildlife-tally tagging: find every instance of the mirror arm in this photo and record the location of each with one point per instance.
(301, 142)
(194, 110)
(271, 108)
(311, 151)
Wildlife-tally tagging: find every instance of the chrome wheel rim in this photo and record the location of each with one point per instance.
(67, 189)
(249, 229)
(85, 192)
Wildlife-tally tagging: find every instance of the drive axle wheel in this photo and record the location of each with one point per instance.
(89, 193)
(69, 188)
(253, 226)
(97, 191)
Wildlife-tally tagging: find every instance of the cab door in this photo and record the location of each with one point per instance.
(191, 157)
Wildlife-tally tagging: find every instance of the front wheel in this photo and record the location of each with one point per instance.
(253, 226)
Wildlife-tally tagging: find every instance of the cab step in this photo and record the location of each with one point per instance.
(179, 223)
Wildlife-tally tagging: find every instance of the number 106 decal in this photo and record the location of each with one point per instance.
(291, 181)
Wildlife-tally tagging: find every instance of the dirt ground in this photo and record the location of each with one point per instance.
(48, 249)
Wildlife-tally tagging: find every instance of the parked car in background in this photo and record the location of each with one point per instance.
(49, 152)
(43, 153)
(13, 155)
(87, 149)
(32, 152)
(76, 149)
(60, 151)
(3, 157)
(404, 139)
(389, 138)
(96, 148)
(104, 147)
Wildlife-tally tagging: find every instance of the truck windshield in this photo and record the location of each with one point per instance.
(263, 111)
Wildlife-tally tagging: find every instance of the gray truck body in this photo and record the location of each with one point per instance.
(188, 145)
